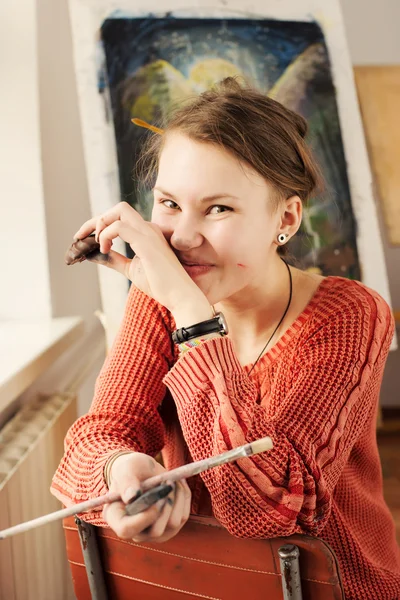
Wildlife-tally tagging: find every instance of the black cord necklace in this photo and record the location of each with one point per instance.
(283, 316)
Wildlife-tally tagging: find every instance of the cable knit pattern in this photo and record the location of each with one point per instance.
(315, 393)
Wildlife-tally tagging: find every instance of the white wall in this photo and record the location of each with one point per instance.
(25, 284)
(74, 290)
(372, 31)
(42, 171)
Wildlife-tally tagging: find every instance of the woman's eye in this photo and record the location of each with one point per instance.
(169, 203)
(218, 208)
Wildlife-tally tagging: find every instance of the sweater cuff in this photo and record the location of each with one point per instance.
(201, 365)
(92, 482)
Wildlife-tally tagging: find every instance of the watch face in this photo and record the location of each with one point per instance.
(224, 325)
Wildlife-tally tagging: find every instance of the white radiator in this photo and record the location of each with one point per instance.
(33, 565)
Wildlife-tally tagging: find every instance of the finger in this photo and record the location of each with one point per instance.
(159, 526)
(161, 531)
(178, 515)
(96, 224)
(156, 228)
(121, 211)
(86, 229)
(117, 229)
(100, 226)
(105, 220)
(113, 260)
(188, 500)
(127, 527)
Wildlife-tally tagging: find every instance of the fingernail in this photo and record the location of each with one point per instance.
(130, 494)
(161, 503)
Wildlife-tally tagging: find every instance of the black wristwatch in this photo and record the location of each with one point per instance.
(215, 325)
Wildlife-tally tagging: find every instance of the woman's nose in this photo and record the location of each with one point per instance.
(186, 241)
(186, 235)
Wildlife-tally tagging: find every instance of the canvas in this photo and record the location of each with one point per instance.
(147, 60)
(379, 93)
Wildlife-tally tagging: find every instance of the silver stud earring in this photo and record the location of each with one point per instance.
(282, 238)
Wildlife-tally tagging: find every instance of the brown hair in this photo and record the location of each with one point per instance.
(254, 128)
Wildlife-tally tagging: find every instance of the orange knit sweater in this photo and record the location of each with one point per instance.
(315, 393)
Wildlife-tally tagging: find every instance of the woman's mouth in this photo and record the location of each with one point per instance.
(196, 269)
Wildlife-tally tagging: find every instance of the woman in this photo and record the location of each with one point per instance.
(302, 362)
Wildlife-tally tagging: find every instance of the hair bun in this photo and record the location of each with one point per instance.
(231, 85)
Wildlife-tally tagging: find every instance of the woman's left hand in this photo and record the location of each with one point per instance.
(158, 523)
(167, 281)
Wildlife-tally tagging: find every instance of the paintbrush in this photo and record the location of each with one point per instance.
(256, 447)
(80, 250)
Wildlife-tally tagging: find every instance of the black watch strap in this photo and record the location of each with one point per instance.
(215, 325)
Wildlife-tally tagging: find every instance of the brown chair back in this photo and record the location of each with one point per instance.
(203, 561)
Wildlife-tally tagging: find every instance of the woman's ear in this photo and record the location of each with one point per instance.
(291, 215)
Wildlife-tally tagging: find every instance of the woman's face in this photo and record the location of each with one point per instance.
(217, 215)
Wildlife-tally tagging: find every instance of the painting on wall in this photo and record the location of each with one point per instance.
(154, 64)
(145, 61)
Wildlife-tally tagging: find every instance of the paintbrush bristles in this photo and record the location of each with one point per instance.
(261, 445)
(209, 463)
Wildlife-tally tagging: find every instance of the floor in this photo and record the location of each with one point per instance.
(389, 449)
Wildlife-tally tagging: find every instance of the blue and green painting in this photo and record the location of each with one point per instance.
(152, 64)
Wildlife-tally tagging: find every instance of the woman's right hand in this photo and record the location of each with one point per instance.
(155, 269)
(158, 523)
(131, 268)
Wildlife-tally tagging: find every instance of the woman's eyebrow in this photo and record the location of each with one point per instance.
(206, 199)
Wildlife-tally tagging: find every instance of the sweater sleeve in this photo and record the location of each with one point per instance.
(315, 410)
(124, 412)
